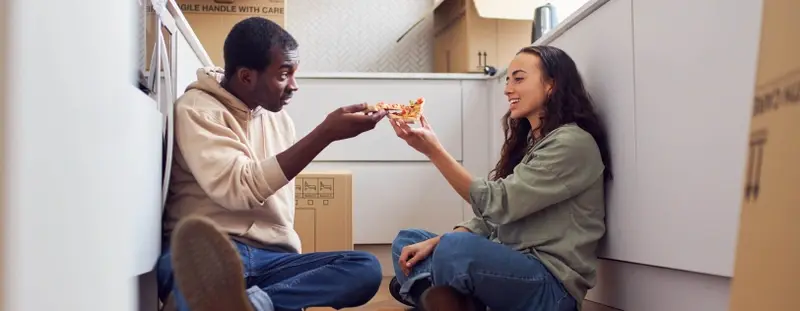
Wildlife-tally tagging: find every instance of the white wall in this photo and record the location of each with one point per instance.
(187, 65)
(3, 98)
(78, 156)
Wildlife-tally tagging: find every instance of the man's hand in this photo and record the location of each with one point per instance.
(412, 254)
(345, 122)
(349, 121)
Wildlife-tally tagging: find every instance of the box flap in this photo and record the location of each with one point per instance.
(497, 9)
(436, 4)
(508, 9)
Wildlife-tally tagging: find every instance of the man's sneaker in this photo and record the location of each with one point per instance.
(207, 267)
(446, 298)
(394, 290)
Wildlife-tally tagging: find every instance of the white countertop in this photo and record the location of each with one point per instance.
(393, 75)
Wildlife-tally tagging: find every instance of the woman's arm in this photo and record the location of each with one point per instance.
(424, 140)
(454, 172)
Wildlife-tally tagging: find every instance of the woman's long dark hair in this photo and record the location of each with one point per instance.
(568, 102)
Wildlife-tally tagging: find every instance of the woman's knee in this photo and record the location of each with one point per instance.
(454, 249)
(408, 237)
(457, 243)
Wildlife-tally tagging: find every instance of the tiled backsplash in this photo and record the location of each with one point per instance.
(361, 35)
(355, 35)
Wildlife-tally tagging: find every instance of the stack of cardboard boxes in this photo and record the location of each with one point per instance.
(211, 20)
(470, 35)
(767, 266)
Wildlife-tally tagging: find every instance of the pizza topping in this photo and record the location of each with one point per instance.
(385, 106)
(408, 113)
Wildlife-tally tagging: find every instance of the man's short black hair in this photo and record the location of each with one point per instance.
(250, 42)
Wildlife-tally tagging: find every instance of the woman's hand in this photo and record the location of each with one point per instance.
(422, 139)
(414, 253)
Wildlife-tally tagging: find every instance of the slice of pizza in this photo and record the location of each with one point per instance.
(396, 108)
(411, 112)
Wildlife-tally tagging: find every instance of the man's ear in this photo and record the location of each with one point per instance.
(246, 76)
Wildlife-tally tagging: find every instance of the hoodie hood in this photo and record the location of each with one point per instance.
(208, 81)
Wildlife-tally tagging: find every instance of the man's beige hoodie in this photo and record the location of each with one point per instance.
(225, 167)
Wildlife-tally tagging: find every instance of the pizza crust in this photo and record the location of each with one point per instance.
(408, 113)
(376, 108)
(409, 120)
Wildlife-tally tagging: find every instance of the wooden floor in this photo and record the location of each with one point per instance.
(383, 301)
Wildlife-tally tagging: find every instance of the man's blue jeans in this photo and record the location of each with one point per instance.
(494, 274)
(289, 281)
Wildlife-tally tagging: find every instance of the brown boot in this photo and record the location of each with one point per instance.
(207, 267)
(446, 298)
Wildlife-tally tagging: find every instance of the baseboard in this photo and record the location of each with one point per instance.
(634, 287)
(384, 254)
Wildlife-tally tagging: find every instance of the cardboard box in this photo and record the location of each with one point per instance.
(211, 20)
(766, 272)
(324, 211)
(471, 34)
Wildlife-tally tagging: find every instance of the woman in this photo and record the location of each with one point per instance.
(532, 243)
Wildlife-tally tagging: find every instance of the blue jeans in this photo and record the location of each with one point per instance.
(497, 276)
(294, 281)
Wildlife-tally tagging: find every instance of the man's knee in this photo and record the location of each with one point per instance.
(367, 277)
(368, 266)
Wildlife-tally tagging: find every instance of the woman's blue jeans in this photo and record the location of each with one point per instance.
(497, 276)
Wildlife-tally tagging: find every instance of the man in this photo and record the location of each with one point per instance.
(236, 157)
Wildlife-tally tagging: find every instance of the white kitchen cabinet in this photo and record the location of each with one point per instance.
(388, 197)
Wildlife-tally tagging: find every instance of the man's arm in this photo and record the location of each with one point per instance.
(343, 123)
(224, 167)
(231, 176)
(299, 155)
